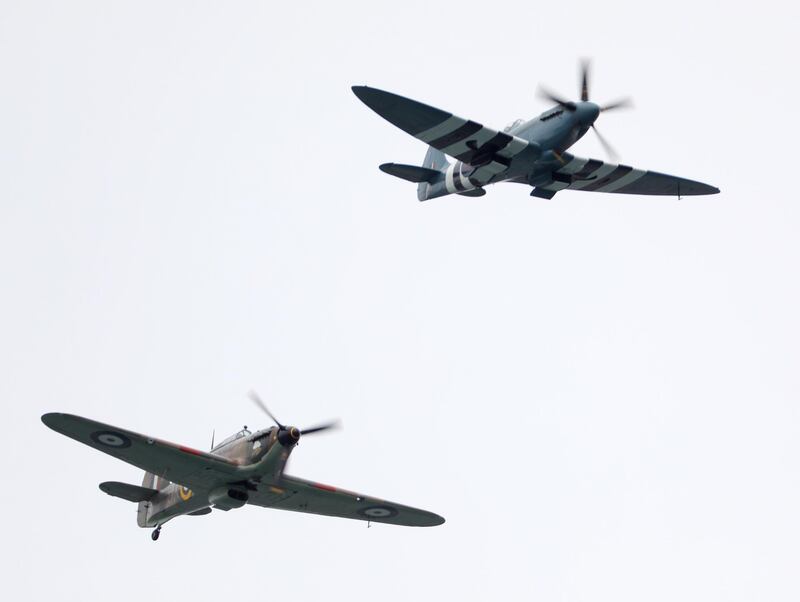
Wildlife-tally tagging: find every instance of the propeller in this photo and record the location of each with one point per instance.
(623, 103)
(568, 105)
(612, 154)
(548, 95)
(257, 400)
(289, 435)
(331, 424)
(585, 80)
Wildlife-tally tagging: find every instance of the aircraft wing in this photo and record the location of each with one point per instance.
(180, 464)
(488, 150)
(299, 495)
(599, 176)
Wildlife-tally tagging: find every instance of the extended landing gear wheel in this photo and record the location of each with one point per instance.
(154, 535)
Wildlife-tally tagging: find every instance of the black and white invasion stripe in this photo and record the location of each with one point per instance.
(457, 178)
(594, 175)
(469, 142)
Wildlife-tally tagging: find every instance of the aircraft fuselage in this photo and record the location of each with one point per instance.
(554, 131)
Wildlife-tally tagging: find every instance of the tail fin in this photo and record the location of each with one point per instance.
(437, 161)
(150, 482)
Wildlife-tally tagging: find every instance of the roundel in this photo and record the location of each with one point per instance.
(378, 512)
(110, 439)
(185, 493)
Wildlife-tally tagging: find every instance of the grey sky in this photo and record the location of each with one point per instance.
(598, 392)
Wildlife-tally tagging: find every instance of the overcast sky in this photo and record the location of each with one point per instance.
(598, 392)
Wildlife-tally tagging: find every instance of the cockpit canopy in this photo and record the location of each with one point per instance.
(243, 433)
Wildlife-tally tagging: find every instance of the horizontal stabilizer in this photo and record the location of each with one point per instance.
(412, 173)
(132, 493)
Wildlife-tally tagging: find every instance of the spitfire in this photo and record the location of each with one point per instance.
(246, 468)
(526, 152)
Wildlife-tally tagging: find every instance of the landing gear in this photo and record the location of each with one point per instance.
(156, 532)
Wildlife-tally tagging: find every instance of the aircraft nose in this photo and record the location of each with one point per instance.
(588, 112)
(289, 435)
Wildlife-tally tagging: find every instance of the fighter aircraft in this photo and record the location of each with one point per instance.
(527, 152)
(245, 468)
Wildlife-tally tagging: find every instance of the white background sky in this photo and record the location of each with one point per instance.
(599, 392)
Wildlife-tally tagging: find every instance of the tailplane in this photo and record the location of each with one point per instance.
(132, 493)
(412, 173)
(437, 176)
(429, 178)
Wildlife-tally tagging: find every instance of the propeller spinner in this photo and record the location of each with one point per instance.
(290, 435)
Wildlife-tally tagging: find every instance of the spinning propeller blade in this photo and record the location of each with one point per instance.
(333, 424)
(294, 432)
(585, 80)
(612, 154)
(565, 104)
(623, 103)
(257, 400)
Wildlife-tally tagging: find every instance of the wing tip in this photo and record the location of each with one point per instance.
(423, 518)
(430, 519)
(51, 418)
(378, 100)
(436, 520)
(409, 115)
(701, 189)
(365, 93)
(418, 518)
